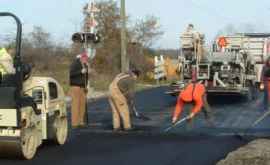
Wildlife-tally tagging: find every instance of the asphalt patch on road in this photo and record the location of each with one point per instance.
(232, 115)
(148, 144)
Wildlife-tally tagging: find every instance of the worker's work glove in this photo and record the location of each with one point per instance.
(191, 116)
(83, 71)
(261, 86)
(174, 120)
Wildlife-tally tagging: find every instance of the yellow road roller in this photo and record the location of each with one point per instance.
(32, 109)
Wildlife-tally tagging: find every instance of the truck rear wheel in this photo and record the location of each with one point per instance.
(61, 130)
(29, 144)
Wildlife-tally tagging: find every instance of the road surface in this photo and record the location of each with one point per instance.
(201, 144)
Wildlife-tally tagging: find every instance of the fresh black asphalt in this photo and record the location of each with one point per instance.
(199, 144)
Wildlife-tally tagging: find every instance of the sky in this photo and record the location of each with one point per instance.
(63, 17)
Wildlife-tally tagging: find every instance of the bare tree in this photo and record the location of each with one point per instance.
(146, 31)
(40, 38)
(108, 55)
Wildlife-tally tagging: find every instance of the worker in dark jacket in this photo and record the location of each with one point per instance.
(121, 98)
(265, 83)
(78, 82)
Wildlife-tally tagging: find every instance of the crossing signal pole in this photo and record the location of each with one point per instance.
(124, 57)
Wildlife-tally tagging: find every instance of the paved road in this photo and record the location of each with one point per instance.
(231, 115)
(201, 144)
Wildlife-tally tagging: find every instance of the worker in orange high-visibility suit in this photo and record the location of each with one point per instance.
(192, 93)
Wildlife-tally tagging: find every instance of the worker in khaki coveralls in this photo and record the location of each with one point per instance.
(79, 82)
(121, 98)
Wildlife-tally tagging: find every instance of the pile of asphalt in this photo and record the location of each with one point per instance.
(256, 152)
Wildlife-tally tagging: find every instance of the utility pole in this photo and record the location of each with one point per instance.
(124, 57)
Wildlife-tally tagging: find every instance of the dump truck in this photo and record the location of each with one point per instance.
(32, 109)
(232, 67)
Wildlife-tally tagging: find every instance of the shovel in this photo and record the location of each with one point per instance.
(176, 124)
(140, 115)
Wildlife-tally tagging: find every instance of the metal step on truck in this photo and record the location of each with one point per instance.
(32, 109)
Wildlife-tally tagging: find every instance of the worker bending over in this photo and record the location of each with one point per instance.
(121, 98)
(193, 93)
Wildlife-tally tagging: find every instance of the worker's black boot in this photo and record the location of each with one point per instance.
(117, 130)
(83, 125)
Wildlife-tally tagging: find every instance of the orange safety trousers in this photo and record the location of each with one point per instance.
(192, 93)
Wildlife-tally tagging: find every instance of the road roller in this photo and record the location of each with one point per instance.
(32, 109)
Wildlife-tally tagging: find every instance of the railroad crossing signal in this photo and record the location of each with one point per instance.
(89, 36)
(93, 22)
(90, 10)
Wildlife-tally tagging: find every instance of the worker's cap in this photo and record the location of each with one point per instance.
(137, 72)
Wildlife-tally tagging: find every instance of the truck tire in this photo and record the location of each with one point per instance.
(60, 130)
(28, 144)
